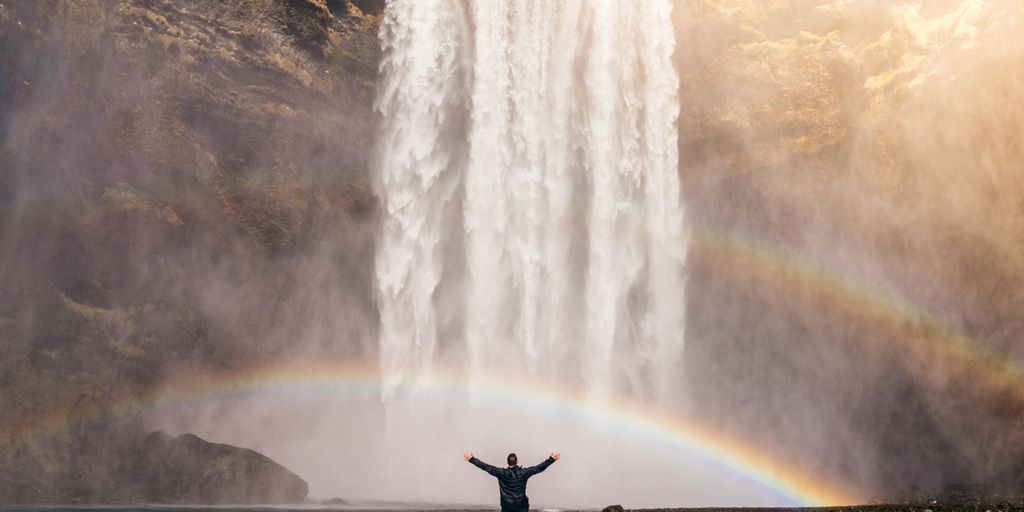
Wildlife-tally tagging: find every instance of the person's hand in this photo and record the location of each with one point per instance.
(556, 455)
(467, 456)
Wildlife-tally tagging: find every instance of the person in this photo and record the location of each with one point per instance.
(512, 480)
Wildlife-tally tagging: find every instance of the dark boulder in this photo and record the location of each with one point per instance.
(187, 469)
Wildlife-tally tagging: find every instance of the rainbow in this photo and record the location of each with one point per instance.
(743, 261)
(739, 459)
(939, 347)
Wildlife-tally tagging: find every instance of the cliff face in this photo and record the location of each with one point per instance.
(185, 184)
(853, 173)
(175, 175)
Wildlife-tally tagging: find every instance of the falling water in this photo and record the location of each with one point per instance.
(532, 215)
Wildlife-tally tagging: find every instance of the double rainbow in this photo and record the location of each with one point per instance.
(741, 260)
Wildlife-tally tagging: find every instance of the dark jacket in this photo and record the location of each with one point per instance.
(512, 482)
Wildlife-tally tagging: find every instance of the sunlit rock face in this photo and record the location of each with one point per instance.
(874, 150)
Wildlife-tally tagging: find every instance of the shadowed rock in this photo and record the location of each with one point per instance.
(187, 469)
(153, 141)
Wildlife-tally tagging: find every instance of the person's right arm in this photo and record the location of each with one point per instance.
(481, 464)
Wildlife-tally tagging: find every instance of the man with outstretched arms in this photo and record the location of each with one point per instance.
(512, 480)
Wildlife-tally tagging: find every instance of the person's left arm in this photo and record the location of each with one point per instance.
(533, 470)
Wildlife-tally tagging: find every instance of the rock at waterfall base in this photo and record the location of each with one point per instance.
(155, 468)
(187, 469)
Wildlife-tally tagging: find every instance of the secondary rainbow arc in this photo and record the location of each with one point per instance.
(931, 340)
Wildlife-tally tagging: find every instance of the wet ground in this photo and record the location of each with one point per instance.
(1002, 506)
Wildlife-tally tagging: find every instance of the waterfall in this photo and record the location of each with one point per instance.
(532, 222)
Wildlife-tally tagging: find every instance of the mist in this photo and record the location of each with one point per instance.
(190, 189)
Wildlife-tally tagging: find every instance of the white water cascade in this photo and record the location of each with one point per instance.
(532, 221)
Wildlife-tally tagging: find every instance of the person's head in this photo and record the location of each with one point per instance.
(512, 460)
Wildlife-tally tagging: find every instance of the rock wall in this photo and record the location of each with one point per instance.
(184, 184)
